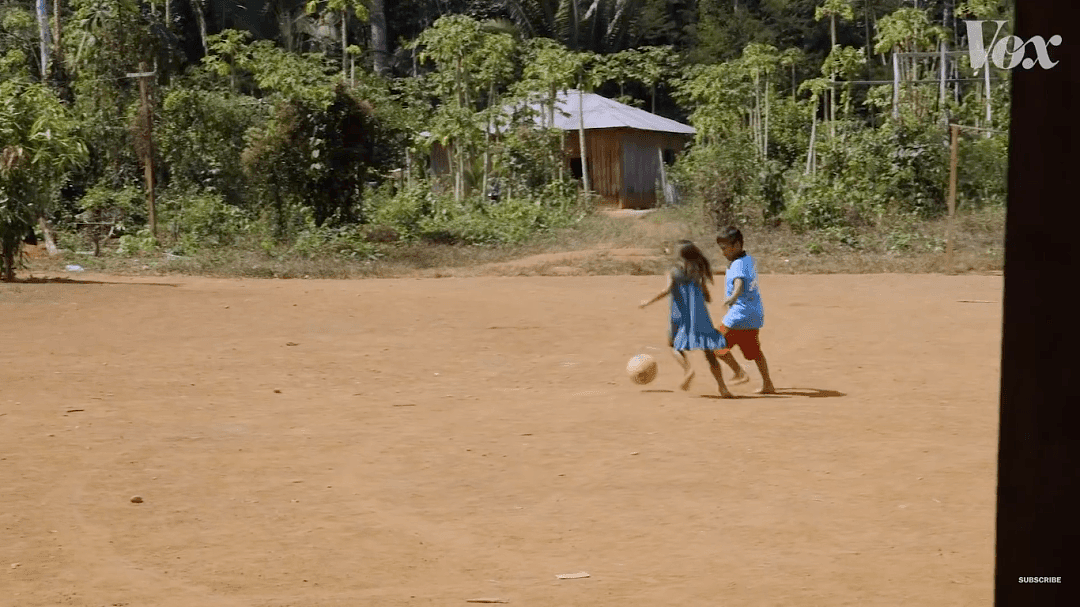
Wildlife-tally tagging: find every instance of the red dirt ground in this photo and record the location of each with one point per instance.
(424, 442)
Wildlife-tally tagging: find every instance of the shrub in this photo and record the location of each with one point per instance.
(402, 210)
(108, 212)
(202, 220)
(201, 135)
(720, 180)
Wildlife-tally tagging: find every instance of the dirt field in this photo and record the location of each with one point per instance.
(424, 442)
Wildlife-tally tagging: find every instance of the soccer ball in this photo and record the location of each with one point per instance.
(641, 369)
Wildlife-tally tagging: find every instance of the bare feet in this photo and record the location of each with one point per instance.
(767, 389)
(741, 377)
(726, 394)
(685, 385)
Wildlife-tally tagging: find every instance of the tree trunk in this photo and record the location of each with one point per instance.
(813, 136)
(756, 115)
(765, 147)
(196, 6)
(50, 239)
(581, 143)
(869, 40)
(9, 250)
(896, 86)
(487, 138)
(43, 30)
(344, 41)
(56, 34)
(379, 46)
(556, 164)
(944, 66)
(832, 80)
(461, 174)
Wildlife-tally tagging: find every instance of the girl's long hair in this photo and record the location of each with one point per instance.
(696, 266)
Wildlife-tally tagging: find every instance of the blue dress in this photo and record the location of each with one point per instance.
(691, 325)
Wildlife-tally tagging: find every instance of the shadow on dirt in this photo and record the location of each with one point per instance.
(787, 393)
(72, 281)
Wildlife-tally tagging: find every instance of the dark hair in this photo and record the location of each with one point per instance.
(729, 234)
(696, 265)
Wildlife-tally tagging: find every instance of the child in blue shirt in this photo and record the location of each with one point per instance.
(745, 315)
(690, 327)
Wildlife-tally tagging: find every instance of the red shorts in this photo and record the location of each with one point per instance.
(746, 339)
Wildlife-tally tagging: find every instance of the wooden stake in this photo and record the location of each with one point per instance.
(953, 154)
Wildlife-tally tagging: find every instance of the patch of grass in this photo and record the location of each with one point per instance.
(890, 244)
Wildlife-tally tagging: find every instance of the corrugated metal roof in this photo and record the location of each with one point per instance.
(603, 113)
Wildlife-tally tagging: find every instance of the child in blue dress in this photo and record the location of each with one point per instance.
(691, 327)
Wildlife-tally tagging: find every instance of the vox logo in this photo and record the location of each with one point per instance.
(1008, 52)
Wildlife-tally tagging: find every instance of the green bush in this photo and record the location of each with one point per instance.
(478, 222)
(983, 168)
(869, 173)
(721, 180)
(140, 242)
(342, 242)
(418, 213)
(107, 212)
(204, 220)
(402, 210)
(201, 135)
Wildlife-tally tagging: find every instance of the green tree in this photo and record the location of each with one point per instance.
(340, 8)
(845, 62)
(39, 149)
(456, 44)
(602, 26)
(760, 60)
(833, 9)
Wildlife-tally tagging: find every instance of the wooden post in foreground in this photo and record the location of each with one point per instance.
(953, 154)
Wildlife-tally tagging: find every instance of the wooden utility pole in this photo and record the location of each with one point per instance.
(144, 93)
(953, 155)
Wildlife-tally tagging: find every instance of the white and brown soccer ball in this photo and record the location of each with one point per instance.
(642, 369)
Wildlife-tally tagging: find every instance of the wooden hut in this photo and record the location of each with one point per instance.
(627, 149)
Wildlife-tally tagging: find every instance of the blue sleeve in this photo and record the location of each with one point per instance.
(741, 269)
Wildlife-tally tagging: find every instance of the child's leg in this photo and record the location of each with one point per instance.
(740, 375)
(729, 360)
(767, 386)
(714, 366)
(688, 371)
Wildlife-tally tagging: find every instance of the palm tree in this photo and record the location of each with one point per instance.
(601, 26)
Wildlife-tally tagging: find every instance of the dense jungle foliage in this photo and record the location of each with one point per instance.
(304, 127)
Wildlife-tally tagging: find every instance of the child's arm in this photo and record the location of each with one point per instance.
(661, 294)
(736, 291)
